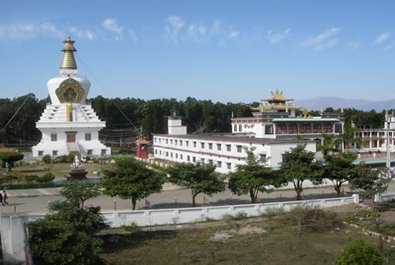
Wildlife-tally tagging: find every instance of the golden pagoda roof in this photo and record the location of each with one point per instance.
(276, 107)
(141, 141)
(277, 96)
(68, 61)
(276, 101)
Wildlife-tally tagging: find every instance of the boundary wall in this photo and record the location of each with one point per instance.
(199, 214)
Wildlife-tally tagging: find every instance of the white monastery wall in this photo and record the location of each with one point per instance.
(199, 214)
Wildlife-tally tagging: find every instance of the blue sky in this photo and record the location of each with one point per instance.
(228, 51)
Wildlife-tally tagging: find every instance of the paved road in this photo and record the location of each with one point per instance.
(36, 200)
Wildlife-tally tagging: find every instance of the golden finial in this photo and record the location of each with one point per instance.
(68, 61)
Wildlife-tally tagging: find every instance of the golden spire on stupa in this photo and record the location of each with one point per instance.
(68, 61)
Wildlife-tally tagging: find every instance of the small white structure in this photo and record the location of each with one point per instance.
(68, 123)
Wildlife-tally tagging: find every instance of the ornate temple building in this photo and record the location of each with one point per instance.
(276, 118)
(273, 129)
(69, 123)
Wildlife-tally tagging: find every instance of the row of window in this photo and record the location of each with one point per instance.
(88, 152)
(194, 159)
(195, 144)
(54, 137)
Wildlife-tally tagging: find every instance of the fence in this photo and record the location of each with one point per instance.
(198, 214)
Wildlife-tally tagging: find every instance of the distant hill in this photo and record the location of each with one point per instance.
(319, 103)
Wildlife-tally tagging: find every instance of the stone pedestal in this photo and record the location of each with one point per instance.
(78, 173)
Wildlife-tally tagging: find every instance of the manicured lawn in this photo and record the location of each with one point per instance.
(59, 169)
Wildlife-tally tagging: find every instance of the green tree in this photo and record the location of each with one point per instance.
(299, 165)
(252, 177)
(359, 252)
(67, 235)
(339, 169)
(131, 179)
(9, 158)
(371, 180)
(200, 178)
(330, 144)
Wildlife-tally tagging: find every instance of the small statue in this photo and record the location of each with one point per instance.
(76, 162)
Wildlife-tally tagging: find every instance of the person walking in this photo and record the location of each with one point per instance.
(5, 197)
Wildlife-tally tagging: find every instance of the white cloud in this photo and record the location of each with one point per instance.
(276, 37)
(233, 34)
(112, 25)
(323, 40)
(196, 31)
(382, 37)
(172, 28)
(28, 31)
(85, 34)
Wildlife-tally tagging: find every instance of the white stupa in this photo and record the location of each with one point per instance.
(68, 123)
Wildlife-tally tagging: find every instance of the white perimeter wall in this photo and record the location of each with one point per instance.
(198, 214)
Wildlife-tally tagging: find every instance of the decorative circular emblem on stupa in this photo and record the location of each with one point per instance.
(70, 91)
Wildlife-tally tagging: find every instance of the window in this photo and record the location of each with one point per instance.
(229, 166)
(219, 147)
(240, 128)
(88, 136)
(167, 141)
(194, 143)
(210, 161)
(235, 127)
(188, 158)
(54, 137)
(219, 164)
(167, 154)
(89, 151)
(176, 155)
(180, 142)
(187, 143)
(269, 129)
(202, 160)
(103, 152)
(239, 149)
(210, 146)
(54, 152)
(171, 141)
(156, 152)
(202, 145)
(40, 153)
(175, 142)
(171, 155)
(181, 156)
(228, 148)
(193, 159)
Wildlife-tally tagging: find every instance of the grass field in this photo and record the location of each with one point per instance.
(274, 240)
(58, 169)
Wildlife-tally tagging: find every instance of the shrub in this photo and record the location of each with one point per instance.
(63, 159)
(47, 177)
(314, 219)
(359, 252)
(47, 159)
(31, 178)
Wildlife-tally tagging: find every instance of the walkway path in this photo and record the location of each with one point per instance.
(36, 200)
